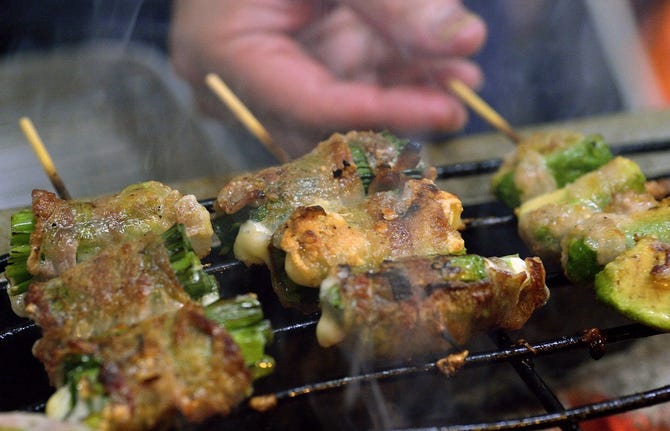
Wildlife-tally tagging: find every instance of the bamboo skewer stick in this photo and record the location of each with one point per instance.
(43, 156)
(483, 109)
(225, 94)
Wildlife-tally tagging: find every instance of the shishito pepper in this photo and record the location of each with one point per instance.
(637, 283)
(546, 161)
(599, 240)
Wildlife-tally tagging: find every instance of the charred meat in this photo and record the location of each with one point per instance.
(422, 305)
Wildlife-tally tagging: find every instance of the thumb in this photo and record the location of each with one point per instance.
(439, 27)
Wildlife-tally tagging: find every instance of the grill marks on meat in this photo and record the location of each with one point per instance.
(405, 308)
(68, 232)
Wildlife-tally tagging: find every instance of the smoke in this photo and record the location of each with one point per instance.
(115, 19)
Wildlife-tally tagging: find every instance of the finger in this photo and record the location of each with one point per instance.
(432, 72)
(441, 27)
(318, 98)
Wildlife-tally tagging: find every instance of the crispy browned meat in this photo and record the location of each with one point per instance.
(415, 306)
(328, 169)
(178, 364)
(328, 173)
(335, 176)
(123, 285)
(419, 220)
(68, 232)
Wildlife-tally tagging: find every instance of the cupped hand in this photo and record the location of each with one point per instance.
(308, 68)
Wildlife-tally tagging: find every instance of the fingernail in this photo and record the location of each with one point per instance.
(459, 28)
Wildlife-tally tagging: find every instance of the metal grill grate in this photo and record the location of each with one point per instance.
(324, 388)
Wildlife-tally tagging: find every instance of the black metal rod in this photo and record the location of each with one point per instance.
(525, 369)
(578, 414)
(509, 354)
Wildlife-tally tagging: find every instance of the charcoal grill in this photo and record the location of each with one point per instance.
(508, 381)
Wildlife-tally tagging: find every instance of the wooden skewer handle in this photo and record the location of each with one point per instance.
(483, 109)
(43, 156)
(226, 95)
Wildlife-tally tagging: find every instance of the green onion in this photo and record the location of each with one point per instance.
(243, 318)
(362, 165)
(22, 225)
(186, 264)
(236, 313)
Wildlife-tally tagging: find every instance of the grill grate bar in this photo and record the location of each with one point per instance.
(514, 353)
(525, 369)
(585, 412)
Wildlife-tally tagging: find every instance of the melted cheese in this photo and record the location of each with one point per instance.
(252, 244)
(328, 331)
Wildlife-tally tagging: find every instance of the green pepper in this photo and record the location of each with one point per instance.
(552, 159)
(589, 247)
(637, 283)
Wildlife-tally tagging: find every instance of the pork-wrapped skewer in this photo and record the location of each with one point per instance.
(175, 366)
(68, 232)
(546, 161)
(114, 324)
(336, 174)
(420, 305)
(124, 285)
(595, 242)
(56, 234)
(417, 221)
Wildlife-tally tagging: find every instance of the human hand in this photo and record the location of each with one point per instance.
(307, 68)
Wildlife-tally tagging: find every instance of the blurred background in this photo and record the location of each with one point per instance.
(94, 76)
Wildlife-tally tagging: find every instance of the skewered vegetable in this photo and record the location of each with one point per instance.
(637, 283)
(595, 242)
(353, 200)
(546, 161)
(546, 219)
(421, 305)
